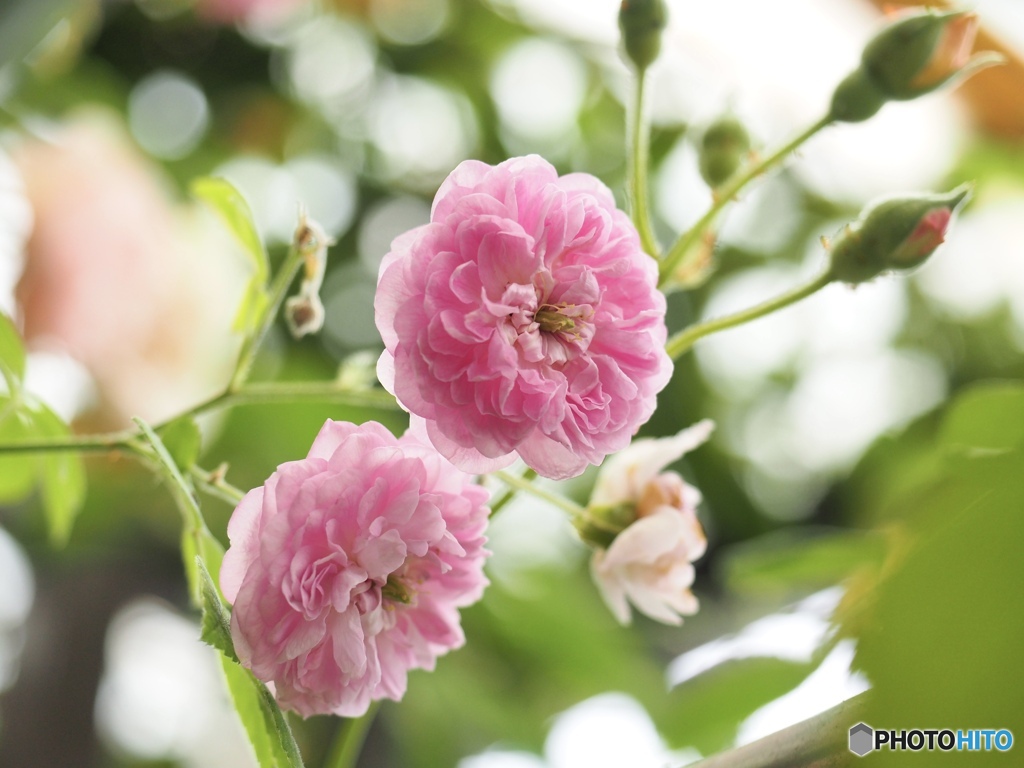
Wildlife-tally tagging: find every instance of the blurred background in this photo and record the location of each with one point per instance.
(854, 429)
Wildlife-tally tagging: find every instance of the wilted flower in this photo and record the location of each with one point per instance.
(649, 562)
(894, 234)
(523, 319)
(347, 568)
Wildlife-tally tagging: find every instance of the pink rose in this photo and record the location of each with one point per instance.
(649, 564)
(347, 568)
(523, 319)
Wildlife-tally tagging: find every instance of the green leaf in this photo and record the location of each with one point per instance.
(228, 203)
(285, 742)
(183, 441)
(269, 733)
(800, 560)
(989, 416)
(24, 24)
(248, 700)
(254, 303)
(62, 477)
(706, 711)
(17, 470)
(942, 640)
(12, 352)
(216, 624)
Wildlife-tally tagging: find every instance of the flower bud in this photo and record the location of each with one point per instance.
(894, 234)
(916, 54)
(723, 148)
(641, 23)
(856, 98)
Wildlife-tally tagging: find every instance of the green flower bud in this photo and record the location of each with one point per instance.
(894, 234)
(641, 23)
(914, 55)
(601, 525)
(856, 98)
(723, 148)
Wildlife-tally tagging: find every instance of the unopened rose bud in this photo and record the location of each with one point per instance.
(913, 56)
(723, 148)
(894, 234)
(641, 23)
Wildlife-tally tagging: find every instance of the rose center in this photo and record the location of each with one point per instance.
(552, 320)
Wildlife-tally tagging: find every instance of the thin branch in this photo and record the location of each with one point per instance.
(679, 254)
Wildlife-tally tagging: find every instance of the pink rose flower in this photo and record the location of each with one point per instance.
(347, 568)
(523, 319)
(649, 564)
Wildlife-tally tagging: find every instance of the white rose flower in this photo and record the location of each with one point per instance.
(649, 564)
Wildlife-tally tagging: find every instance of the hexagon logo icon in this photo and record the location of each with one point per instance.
(862, 739)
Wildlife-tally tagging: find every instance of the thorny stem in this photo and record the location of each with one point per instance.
(682, 341)
(682, 251)
(639, 141)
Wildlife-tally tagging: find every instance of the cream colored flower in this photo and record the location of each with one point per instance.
(649, 564)
(136, 287)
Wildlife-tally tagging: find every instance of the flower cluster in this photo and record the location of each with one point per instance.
(524, 319)
(347, 568)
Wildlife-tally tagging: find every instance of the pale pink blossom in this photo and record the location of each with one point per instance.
(118, 275)
(347, 568)
(228, 11)
(650, 563)
(523, 319)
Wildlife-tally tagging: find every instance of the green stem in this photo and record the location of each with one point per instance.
(278, 290)
(296, 391)
(682, 341)
(193, 518)
(250, 394)
(349, 741)
(114, 441)
(639, 161)
(682, 250)
(214, 484)
(522, 484)
(510, 493)
(820, 741)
